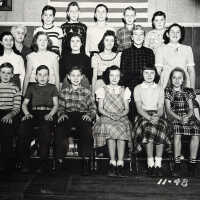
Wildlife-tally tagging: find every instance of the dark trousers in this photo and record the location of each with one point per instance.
(7, 132)
(26, 133)
(84, 133)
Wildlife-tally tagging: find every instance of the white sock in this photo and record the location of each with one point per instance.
(113, 162)
(120, 163)
(150, 162)
(158, 161)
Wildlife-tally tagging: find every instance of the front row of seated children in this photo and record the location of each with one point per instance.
(75, 107)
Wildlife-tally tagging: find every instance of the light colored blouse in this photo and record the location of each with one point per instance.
(154, 39)
(150, 95)
(17, 62)
(169, 57)
(100, 93)
(47, 58)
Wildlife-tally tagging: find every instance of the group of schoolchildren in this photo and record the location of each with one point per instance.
(103, 83)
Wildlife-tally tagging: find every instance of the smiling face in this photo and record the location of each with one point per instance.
(75, 77)
(149, 75)
(42, 77)
(75, 44)
(73, 13)
(174, 34)
(109, 42)
(159, 22)
(7, 41)
(6, 74)
(48, 17)
(114, 77)
(177, 79)
(129, 17)
(101, 14)
(138, 37)
(42, 42)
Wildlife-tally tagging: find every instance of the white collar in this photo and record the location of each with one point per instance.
(147, 85)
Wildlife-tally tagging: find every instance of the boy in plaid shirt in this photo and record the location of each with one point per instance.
(76, 109)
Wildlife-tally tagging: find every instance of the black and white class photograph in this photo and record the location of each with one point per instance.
(99, 99)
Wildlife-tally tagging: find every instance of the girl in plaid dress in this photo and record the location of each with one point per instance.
(113, 125)
(150, 127)
(179, 107)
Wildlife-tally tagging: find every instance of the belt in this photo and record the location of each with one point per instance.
(41, 108)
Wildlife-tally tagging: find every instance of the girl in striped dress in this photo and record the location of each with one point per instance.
(179, 107)
(113, 126)
(150, 127)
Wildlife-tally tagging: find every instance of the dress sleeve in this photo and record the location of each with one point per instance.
(190, 59)
(168, 94)
(100, 93)
(94, 62)
(136, 93)
(127, 94)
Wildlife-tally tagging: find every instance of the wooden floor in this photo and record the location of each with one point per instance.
(73, 186)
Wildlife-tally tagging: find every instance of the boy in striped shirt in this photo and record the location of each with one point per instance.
(10, 103)
(55, 33)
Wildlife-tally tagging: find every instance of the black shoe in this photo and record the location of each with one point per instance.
(192, 170)
(150, 171)
(158, 172)
(121, 172)
(112, 171)
(177, 170)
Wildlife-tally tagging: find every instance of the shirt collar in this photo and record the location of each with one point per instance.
(146, 85)
(78, 89)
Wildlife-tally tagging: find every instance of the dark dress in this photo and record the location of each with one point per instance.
(179, 105)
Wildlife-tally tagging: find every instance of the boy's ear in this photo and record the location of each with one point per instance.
(167, 34)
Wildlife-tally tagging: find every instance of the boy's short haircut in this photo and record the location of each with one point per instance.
(42, 67)
(48, 7)
(14, 28)
(129, 8)
(7, 65)
(73, 3)
(139, 27)
(79, 68)
(95, 10)
(124, 12)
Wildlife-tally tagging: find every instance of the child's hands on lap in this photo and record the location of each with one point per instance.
(154, 119)
(62, 118)
(86, 118)
(7, 119)
(27, 116)
(185, 119)
(48, 117)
